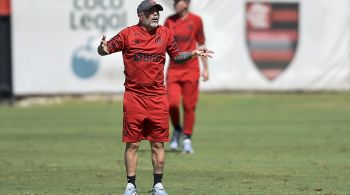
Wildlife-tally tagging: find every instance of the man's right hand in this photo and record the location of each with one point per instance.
(103, 48)
(204, 52)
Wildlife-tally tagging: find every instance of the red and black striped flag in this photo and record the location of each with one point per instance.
(272, 35)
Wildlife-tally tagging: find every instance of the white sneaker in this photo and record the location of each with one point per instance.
(130, 189)
(175, 141)
(158, 189)
(174, 145)
(187, 146)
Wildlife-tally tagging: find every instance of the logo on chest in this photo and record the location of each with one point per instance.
(158, 39)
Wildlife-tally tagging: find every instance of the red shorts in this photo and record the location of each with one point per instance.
(145, 118)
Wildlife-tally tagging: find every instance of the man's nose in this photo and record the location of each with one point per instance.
(155, 13)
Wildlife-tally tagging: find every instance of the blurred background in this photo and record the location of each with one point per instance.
(276, 141)
(48, 47)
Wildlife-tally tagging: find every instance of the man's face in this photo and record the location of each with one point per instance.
(180, 6)
(150, 18)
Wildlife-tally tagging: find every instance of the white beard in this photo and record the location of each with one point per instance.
(150, 24)
(153, 24)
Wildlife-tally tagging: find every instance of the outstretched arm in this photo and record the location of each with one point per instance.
(185, 56)
(103, 48)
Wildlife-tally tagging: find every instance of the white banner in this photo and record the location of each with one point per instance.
(322, 56)
(55, 44)
(293, 45)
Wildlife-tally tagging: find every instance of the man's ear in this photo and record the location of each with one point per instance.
(139, 16)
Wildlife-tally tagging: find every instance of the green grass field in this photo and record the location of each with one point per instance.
(244, 144)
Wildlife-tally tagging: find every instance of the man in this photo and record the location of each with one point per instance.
(146, 107)
(183, 81)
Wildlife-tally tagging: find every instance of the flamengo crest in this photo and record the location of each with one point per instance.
(272, 35)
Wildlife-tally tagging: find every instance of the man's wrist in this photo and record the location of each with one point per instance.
(101, 51)
(193, 53)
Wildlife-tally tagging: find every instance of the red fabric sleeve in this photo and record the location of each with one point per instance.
(172, 47)
(117, 43)
(200, 37)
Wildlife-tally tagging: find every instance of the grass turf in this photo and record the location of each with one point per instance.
(244, 144)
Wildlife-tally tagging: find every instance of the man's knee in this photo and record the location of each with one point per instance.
(174, 104)
(157, 147)
(189, 106)
(132, 147)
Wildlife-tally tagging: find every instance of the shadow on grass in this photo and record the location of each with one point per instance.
(166, 150)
